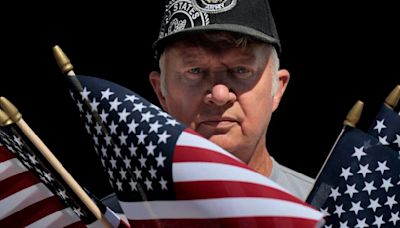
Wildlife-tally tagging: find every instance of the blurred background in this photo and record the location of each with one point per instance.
(337, 53)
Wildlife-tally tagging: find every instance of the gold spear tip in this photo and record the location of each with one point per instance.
(393, 97)
(62, 60)
(353, 116)
(4, 119)
(10, 109)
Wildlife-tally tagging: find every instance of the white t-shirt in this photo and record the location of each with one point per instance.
(296, 183)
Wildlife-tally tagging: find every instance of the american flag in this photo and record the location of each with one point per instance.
(386, 128)
(33, 195)
(359, 186)
(30, 194)
(167, 175)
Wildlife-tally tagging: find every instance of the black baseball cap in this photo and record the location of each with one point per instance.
(249, 17)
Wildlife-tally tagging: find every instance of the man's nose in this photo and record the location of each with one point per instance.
(219, 95)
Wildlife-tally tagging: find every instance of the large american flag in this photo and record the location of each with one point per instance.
(30, 195)
(167, 175)
(359, 186)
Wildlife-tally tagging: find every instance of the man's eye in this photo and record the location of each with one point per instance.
(196, 70)
(241, 72)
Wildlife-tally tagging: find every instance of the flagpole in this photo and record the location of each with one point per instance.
(392, 99)
(352, 118)
(15, 116)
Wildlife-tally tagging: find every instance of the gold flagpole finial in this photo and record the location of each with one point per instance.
(354, 114)
(4, 119)
(62, 60)
(393, 97)
(10, 109)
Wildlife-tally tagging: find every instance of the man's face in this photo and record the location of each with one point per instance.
(223, 95)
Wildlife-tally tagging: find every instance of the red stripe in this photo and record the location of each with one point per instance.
(16, 183)
(5, 154)
(33, 213)
(224, 189)
(228, 222)
(196, 154)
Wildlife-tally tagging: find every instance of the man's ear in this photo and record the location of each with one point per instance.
(283, 80)
(155, 82)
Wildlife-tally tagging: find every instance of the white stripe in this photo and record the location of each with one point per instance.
(10, 168)
(61, 218)
(23, 198)
(205, 171)
(112, 217)
(188, 139)
(218, 208)
(96, 224)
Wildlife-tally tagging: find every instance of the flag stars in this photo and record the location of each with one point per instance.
(163, 137)
(94, 104)
(138, 173)
(103, 116)
(150, 148)
(80, 106)
(122, 172)
(361, 223)
(106, 94)
(344, 224)
(132, 126)
(160, 160)
(114, 104)
(358, 152)
(364, 170)
(386, 183)
(394, 218)
(172, 122)
(117, 151)
(88, 118)
(127, 162)
(369, 186)
(138, 107)
(351, 190)
(373, 204)
(133, 150)
(163, 184)
(356, 207)
(33, 159)
(382, 167)
(98, 129)
(111, 174)
(152, 172)
(123, 115)
(113, 163)
(335, 193)
(122, 138)
(141, 138)
(339, 210)
(383, 140)
(78, 211)
(397, 140)
(379, 125)
(133, 185)
(148, 184)
(146, 116)
(85, 94)
(142, 161)
(154, 127)
(107, 139)
(378, 221)
(113, 128)
(62, 194)
(390, 201)
(119, 185)
(131, 98)
(346, 173)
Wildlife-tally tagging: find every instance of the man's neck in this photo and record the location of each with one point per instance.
(261, 162)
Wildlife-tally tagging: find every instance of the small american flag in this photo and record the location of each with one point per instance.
(359, 186)
(164, 174)
(30, 195)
